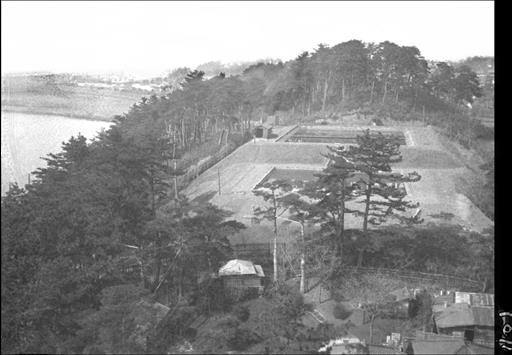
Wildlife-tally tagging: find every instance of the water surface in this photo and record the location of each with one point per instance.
(28, 137)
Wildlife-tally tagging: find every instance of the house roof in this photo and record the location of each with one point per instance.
(437, 308)
(482, 299)
(348, 348)
(432, 343)
(401, 294)
(449, 299)
(440, 303)
(240, 267)
(259, 270)
(475, 299)
(455, 315)
(484, 316)
(380, 349)
(462, 314)
(472, 348)
(422, 335)
(437, 346)
(381, 329)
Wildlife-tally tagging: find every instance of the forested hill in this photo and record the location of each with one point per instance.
(480, 65)
(100, 209)
(385, 79)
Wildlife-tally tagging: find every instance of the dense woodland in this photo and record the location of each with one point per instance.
(68, 236)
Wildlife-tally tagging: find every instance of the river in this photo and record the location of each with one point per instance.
(28, 137)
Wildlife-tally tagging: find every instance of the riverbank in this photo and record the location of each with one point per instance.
(52, 112)
(68, 100)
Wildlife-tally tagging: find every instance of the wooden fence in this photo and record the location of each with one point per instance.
(443, 279)
(446, 281)
(194, 171)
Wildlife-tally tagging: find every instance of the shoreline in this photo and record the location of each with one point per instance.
(30, 111)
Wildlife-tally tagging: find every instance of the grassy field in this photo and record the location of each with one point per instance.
(425, 158)
(24, 95)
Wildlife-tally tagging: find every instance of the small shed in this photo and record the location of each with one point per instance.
(401, 295)
(263, 131)
(240, 275)
(401, 299)
(475, 323)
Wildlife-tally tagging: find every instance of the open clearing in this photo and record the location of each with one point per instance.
(252, 163)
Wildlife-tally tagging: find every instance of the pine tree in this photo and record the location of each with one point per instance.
(382, 189)
(325, 199)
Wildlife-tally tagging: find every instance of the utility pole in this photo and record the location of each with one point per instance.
(302, 254)
(218, 178)
(275, 254)
(174, 160)
(302, 285)
(175, 181)
(275, 235)
(302, 260)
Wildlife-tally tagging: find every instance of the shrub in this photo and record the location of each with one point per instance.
(241, 312)
(325, 331)
(212, 297)
(248, 294)
(274, 289)
(341, 312)
(337, 295)
(309, 307)
(229, 322)
(291, 304)
(242, 338)
(421, 306)
(483, 132)
(247, 136)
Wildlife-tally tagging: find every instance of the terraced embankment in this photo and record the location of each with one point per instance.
(436, 192)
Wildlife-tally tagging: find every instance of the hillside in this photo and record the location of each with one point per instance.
(99, 235)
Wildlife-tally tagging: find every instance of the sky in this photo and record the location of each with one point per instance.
(146, 39)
